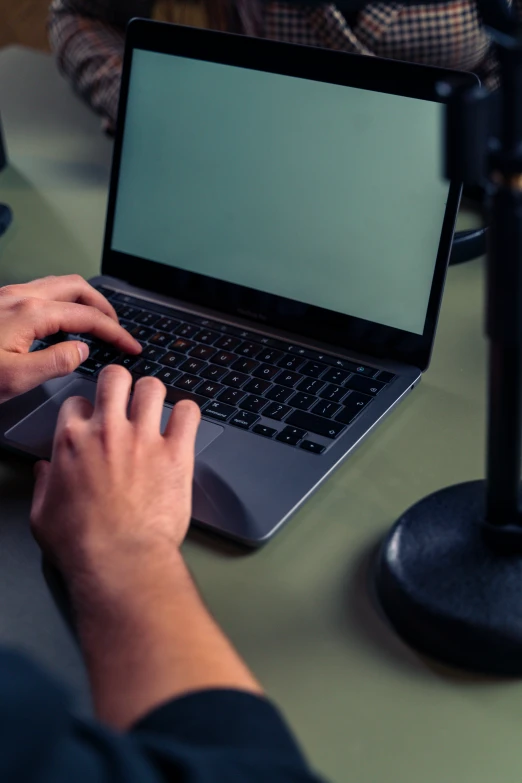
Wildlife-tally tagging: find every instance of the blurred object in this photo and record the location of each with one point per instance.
(188, 12)
(6, 213)
(468, 245)
(6, 218)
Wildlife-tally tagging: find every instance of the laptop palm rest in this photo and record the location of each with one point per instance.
(35, 432)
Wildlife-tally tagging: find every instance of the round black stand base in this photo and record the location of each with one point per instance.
(448, 586)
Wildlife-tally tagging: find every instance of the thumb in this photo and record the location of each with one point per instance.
(41, 472)
(53, 362)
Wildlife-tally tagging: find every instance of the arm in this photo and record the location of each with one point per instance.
(146, 634)
(112, 510)
(88, 39)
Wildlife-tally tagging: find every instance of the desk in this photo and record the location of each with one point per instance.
(365, 707)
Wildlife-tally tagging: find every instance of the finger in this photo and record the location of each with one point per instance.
(41, 472)
(74, 409)
(67, 288)
(50, 317)
(32, 369)
(147, 404)
(112, 393)
(182, 428)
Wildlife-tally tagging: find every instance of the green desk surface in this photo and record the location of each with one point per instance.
(365, 707)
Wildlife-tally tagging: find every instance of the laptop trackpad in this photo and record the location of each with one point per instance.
(35, 433)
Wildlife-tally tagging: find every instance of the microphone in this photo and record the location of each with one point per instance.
(449, 573)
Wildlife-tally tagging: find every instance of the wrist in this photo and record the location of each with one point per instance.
(122, 585)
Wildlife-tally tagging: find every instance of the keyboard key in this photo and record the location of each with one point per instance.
(193, 366)
(209, 389)
(204, 321)
(235, 379)
(144, 367)
(297, 349)
(363, 384)
(37, 346)
(288, 378)
(290, 362)
(276, 411)
(218, 410)
(302, 401)
(186, 330)
(257, 386)
(232, 396)
(361, 369)
(153, 353)
(90, 367)
(262, 429)
(310, 385)
(353, 405)
(342, 364)
(124, 311)
(206, 336)
(265, 371)
(167, 324)
(335, 376)
(213, 372)
(182, 345)
(105, 355)
(224, 358)
(146, 319)
(253, 403)
(188, 382)
(227, 343)
(107, 292)
(161, 339)
(313, 369)
(279, 393)
(330, 429)
(173, 359)
(201, 351)
(291, 435)
(249, 349)
(167, 375)
(175, 395)
(325, 408)
(310, 445)
(333, 393)
(240, 332)
(245, 365)
(385, 377)
(142, 333)
(244, 419)
(127, 361)
(270, 356)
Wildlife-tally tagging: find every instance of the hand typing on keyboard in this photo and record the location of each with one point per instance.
(33, 311)
(244, 379)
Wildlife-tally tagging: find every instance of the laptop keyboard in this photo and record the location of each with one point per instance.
(238, 376)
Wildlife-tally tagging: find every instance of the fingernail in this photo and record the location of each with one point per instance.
(83, 350)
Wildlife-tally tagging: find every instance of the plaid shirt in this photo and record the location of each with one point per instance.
(88, 36)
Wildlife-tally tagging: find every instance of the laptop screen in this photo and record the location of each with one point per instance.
(321, 193)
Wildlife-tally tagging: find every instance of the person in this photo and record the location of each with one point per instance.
(174, 700)
(88, 35)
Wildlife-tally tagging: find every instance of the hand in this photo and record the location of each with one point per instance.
(116, 490)
(36, 310)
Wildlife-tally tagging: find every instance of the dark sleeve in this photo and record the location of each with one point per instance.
(211, 736)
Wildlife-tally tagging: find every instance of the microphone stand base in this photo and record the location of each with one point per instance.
(451, 583)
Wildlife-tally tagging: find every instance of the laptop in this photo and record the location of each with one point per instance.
(277, 236)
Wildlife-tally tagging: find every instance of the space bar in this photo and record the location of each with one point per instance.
(175, 395)
(307, 421)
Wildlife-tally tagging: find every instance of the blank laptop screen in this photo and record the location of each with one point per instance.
(325, 194)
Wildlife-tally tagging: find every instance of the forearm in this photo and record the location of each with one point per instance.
(90, 53)
(147, 638)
